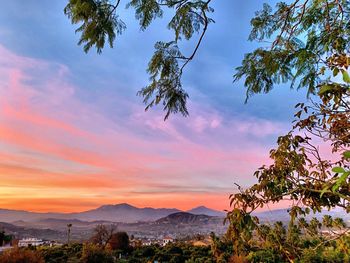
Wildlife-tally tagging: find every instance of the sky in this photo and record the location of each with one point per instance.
(74, 135)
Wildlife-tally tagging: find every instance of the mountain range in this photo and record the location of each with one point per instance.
(113, 213)
(141, 222)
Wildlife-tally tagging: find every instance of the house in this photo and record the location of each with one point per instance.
(27, 242)
(167, 240)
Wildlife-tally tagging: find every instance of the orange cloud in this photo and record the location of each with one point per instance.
(58, 153)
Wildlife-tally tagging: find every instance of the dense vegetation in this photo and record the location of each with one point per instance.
(91, 253)
(307, 241)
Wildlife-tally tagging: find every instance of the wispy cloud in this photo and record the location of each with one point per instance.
(52, 140)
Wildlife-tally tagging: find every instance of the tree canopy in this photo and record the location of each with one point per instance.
(308, 47)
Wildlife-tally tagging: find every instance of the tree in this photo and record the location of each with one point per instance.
(312, 41)
(100, 23)
(2, 237)
(119, 241)
(69, 226)
(103, 234)
(309, 48)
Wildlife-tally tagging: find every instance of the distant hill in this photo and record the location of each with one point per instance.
(9, 216)
(113, 213)
(273, 216)
(123, 213)
(21, 232)
(202, 210)
(184, 218)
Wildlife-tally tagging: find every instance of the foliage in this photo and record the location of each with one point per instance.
(174, 252)
(119, 241)
(103, 234)
(88, 252)
(21, 256)
(57, 254)
(95, 254)
(99, 21)
(309, 48)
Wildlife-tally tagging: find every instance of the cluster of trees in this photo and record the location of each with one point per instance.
(94, 253)
(305, 241)
(107, 245)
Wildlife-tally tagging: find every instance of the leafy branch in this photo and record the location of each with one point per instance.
(100, 22)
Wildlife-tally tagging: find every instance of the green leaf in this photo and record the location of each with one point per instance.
(340, 181)
(335, 72)
(338, 170)
(346, 154)
(324, 89)
(346, 76)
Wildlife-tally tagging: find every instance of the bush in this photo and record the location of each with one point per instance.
(266, 255)
(119, 241)
(17, 255)
(65, 253)
(95, 254)
(311, 256)
(148, 252)
(334, 256)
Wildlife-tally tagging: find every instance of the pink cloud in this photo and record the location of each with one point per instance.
(127, 156)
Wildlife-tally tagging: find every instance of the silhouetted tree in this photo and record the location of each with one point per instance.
(119, 241)
(2, 237)
(69, 226)
(103, 234)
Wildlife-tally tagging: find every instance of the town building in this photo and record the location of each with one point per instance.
(27, 242)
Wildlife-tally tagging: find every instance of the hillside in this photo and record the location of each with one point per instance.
(184, 218)
(21, 232)
(202, 210)
(123, 213)
(113, 213)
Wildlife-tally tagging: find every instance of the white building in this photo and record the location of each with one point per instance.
(25, 242)
(167, 240)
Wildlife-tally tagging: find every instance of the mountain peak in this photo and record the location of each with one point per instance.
(124, 205)
(114, 206)
(200, 207)
(203, 210)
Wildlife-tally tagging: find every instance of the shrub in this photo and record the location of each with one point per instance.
(119, 241)
(95, 254)
(17, 255)
(266, 255)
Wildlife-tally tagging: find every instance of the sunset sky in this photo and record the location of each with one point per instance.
(74, 135)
